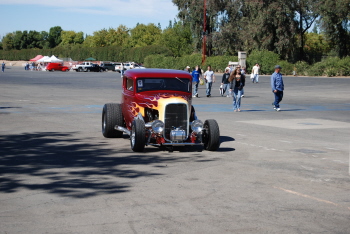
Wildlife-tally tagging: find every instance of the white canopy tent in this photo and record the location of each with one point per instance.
(53, 59)
(42, 59)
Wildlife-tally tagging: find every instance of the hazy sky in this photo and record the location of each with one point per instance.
(82, 15)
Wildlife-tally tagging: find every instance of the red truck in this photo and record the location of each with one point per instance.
(156, 110)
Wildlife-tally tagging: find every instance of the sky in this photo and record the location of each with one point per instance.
(82, 15)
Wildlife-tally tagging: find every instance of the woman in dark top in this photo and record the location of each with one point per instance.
(237, 82)
(225, 83)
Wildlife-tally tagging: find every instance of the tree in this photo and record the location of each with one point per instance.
(44, 42)
(119, 36)
(191, 13)
(79, 38)
(54, 37)
(315, 47)
(178, 39)
(71, 37)
(307, 15)
(335, 23)
(7, 42)
(17, 40)
(144, 35)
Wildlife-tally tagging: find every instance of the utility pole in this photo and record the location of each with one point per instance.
(204, 45)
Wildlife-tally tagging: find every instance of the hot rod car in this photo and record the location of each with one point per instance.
(156, 109)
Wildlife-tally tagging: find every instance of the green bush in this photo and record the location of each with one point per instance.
(287, 68)
(218, 63)
(332, 66)
(302, 68)
(266, 59)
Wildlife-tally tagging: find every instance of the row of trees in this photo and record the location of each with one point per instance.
(176, 37)
(275, 25)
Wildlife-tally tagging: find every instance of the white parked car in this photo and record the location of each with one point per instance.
(136, 66)
(117, 67)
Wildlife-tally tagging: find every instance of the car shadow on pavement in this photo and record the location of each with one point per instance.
(63, 164)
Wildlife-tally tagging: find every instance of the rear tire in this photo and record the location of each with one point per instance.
(211, 135)
(137, 137)
(106, 70)
(112, 115)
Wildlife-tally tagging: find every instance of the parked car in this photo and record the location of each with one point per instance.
(82, 66)
(156, 110)
(109, 66)
(95, 68)
(136, 66)
(128, 66)
(117, 67)
(56, 67)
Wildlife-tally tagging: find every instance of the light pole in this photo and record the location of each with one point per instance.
(204, 43)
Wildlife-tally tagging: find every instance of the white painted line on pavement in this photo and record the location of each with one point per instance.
(310, 197)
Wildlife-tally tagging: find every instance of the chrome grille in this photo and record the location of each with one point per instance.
(175, 117)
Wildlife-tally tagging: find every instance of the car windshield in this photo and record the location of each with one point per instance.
(154, 84)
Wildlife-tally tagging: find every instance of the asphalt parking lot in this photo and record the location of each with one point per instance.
(275, 172)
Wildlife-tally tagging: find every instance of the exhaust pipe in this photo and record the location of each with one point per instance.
(119, 128)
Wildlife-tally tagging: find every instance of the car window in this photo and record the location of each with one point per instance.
(153, 84)
(130, 84)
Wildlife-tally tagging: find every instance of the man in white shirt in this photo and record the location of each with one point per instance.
(229, 67)
(209, 79)
(255, 72)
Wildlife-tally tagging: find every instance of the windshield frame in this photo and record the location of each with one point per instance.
(186, 81)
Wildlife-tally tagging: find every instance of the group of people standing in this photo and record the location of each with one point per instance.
(233, 82)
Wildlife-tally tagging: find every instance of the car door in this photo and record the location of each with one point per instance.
(128, 101)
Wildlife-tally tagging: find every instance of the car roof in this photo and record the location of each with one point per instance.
(157, 73)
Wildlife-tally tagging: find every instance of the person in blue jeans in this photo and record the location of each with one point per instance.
(237, 82)
(3, 67)
(196, 76)
(225, 83)
(277, 87)
(209, 79)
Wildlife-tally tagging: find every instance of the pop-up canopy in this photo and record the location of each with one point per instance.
(43, 59)
(36, 58)
(53, 59)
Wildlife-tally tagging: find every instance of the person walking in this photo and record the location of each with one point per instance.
(243, 73)
(237, 82)
(122, 69)
(3, 66)
(225, 83)
(187, 69)
(209, 79)
(196, 76)
(255, 72)
(277, 87)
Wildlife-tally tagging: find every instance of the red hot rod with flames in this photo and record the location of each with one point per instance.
(156, 110)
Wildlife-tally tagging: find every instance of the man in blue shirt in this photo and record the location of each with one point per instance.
(277, 87)
(3, 66)
(196, 75)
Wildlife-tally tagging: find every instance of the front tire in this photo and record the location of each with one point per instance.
(112, 115)
(80, 69)
(52, 70)
(211, 135)
(137, 137)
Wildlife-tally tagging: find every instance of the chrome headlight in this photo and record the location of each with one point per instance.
(197, 126)
(158, 126)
